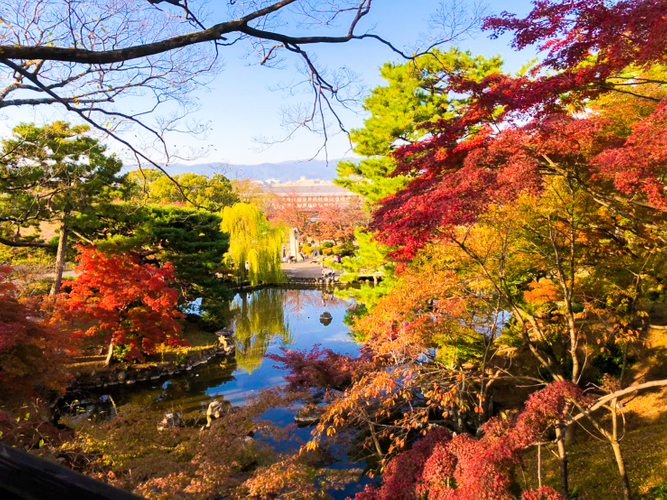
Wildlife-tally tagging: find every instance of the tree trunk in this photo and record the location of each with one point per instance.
(569, 434)
(562, 454)
(107, 362)
(617, 452)
(625, 362)
(60, 258)
(378, 448)
(621, 469)
(539, 465)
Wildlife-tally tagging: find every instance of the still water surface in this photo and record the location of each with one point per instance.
(264, 321)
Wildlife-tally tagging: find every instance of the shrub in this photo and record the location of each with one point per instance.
(345, 249)
(659, 491)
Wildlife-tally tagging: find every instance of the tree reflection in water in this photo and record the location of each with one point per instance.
(258, 317)
(300, 302)
(263, 315)
(263, 320)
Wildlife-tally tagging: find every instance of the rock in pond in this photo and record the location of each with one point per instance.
(325, 318)
(169, 421)
(308, 416)
(226, 339)
(216, 410)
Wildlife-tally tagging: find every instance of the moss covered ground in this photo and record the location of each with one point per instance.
(593, 472)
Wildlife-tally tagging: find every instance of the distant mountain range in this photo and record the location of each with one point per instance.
(283, 172)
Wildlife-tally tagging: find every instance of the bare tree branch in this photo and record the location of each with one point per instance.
(88, 55)
(615, 395)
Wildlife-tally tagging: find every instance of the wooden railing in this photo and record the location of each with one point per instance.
(24, 476)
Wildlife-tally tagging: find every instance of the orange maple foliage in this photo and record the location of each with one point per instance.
(543, 291)
(404, 388)
(130, 302)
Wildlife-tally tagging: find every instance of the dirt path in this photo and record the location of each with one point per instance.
(305, 269)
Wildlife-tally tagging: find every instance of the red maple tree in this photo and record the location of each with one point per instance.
(291, 210)
(317, 369)
(130, 302)
(458, 467)
(517, 129)
(337, 221)
(32, 356)
(30, 351)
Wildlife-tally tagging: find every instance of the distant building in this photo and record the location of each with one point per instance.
(309, 194)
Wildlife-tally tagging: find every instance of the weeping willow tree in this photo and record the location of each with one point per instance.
(254, 244)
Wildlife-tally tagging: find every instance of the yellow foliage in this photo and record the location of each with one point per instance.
(254, 244)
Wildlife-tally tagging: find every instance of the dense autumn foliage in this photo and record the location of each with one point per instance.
(515, 130)
(31, 359)
(525, 218)
(289, 209)
(539, 278)
(530, 222)
(446, 466)
(130, 303)
(335, 221)
(29, 350)
(410, 375)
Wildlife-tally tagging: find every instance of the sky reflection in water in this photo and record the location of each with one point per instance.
(264, 321)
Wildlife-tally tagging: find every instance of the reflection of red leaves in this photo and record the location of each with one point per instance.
(131, 302)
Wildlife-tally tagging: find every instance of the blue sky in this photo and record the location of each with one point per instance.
(239, 105)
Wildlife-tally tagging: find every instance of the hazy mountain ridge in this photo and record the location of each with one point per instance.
(283, 171)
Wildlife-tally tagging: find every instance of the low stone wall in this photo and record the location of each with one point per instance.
(313, 282)
(130, 375)
(291, 282)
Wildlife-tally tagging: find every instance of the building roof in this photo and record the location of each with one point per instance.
(305, 188)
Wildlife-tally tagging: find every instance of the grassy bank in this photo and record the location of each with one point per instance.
(593, 472)
(92, 357)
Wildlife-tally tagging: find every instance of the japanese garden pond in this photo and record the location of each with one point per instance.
(264, 321)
